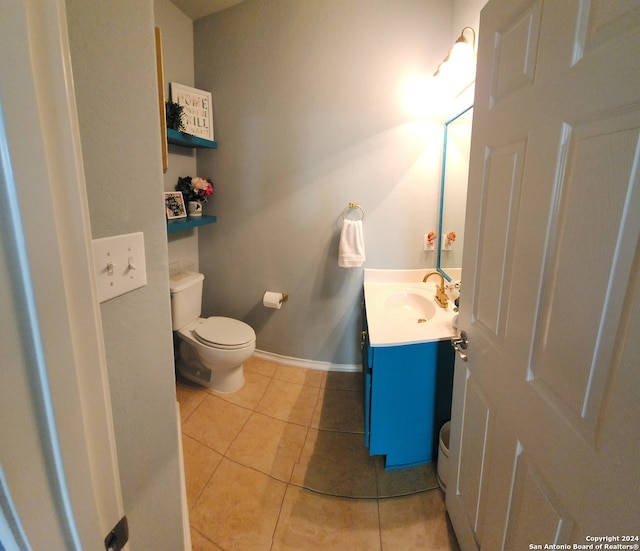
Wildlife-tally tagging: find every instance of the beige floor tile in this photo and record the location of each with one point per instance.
(216, 423)
(269, 445)
(338, 409)
(250, 394)
(202, 543)
(189, 396)
(300, 375)
(314, 522)
(289, 402)
(336, 463)
(261, 366)
(416, 522)
(398, 482)
(240, 501)
(239, 508)
(351, 380)
(199, 464)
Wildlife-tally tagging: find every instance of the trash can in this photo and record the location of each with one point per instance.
(443, 455)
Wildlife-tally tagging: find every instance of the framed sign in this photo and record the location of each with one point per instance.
(163, 117)
(174, 205)
(197, 117)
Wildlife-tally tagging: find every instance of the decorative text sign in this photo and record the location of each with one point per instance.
(197, 116)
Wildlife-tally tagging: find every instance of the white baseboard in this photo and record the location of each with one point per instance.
(310, 364)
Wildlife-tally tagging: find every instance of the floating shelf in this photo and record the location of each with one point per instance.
(187, 140)
(190, 222)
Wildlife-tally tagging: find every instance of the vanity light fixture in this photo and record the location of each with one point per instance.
(461, 55)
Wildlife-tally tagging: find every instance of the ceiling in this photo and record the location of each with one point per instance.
(200, 8)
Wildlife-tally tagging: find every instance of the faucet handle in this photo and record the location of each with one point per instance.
(441, 298)
(453, 292)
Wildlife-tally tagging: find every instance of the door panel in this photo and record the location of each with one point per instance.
(516, 51)
(545, 416)
(575, 338)
(475, 429)
(501, 197)
(535, 514)
(603, 21)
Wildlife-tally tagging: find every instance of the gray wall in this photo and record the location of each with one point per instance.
(177, 47)
(466, 13)
(308, 115)
(113, 59)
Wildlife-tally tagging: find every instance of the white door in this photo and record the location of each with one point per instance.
(545, 441)
(59, 483)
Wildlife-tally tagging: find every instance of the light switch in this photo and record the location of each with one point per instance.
(119, 264)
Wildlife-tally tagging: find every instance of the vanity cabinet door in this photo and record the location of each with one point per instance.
(410, 400)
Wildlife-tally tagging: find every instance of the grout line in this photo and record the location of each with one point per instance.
(224, 455)
(320, 492)
(379, 524)
(297, 461)
(204, 536)
(195, 408)
(275, 526)
(197, 498)
(288, 484)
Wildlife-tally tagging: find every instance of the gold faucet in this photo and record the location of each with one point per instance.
(441, 295)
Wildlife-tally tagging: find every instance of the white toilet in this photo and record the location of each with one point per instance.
(212, 350)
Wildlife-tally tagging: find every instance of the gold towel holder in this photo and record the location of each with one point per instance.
(352, 206)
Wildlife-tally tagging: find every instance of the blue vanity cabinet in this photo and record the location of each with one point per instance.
(407, 398)
(366, 379)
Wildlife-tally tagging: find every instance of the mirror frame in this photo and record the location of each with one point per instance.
(442, 182)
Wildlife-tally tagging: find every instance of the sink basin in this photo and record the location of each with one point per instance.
(401, 309)
(409, 306)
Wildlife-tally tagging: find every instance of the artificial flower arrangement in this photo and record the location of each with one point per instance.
(195, 189)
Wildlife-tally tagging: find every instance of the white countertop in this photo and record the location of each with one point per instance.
(397, 304)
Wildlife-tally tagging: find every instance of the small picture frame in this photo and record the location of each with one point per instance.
(197, 116)
(174, 205)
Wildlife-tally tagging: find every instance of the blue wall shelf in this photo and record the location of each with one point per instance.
(188, 223)
(187, 140)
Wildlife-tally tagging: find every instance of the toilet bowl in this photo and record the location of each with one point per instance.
(211, 350)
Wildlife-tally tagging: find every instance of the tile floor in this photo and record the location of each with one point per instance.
(267, 469)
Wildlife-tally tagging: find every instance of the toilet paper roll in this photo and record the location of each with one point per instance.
(272, 299)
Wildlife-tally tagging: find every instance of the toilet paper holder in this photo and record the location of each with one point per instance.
(274, 299)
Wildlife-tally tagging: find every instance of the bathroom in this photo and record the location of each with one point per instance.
(113, 67)
(335, 124)
(341, 104)
(347, 130)
(315, 171)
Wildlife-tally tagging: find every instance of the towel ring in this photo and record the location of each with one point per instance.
(352, 206)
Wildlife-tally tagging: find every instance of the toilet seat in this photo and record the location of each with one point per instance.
(223, 333)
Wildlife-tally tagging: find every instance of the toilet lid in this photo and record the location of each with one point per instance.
(224, 332)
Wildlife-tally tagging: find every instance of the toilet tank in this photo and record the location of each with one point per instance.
(186, 298)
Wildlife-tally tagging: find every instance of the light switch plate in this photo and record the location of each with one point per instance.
(119, 264)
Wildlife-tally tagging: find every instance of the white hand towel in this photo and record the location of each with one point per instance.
(351, 250)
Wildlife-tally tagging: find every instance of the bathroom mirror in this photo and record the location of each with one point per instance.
(453, 193)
